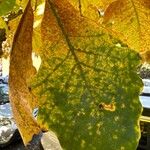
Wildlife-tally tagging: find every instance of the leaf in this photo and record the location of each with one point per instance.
(21, 71)
(38, 6)
(91, 9)
(87, 85)
(87, 8)
(38, 15)
(131, 19)
(107, 3)
(6, 6)
(2, 23)
(34, 3)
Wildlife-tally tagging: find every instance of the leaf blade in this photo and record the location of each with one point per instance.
(20, 73)
(130, 19)
(6, 6)
(79, 83)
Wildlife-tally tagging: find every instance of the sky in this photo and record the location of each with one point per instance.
(5, 64)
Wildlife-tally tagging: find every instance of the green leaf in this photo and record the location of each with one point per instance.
(6, 6)
(87, 85)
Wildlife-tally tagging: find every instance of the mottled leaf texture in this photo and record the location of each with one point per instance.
(91, 9)
(6, 6)
(87, 85)
(131, 18)
(21, 70)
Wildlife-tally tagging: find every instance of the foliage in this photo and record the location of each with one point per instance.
(87, 84)
(126, 19)
(21, 71)
(79, 83)
(6, 6)
(131, 19)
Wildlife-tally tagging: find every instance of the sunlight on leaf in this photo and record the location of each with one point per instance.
(6, 6)
(34, 3)
(38, 15)
(131, 19)
(21, 71)
(2, 23)
(22, 3)
(87, 7)
(91, 9)
(86, 84)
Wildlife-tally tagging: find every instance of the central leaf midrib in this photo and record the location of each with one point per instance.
(70, 46)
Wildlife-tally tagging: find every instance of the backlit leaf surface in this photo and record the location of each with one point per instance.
(2, 23)
(21, 71)
(38, 15)
(131, 18)
(6, 6)
(91, 9)
(87, 85)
